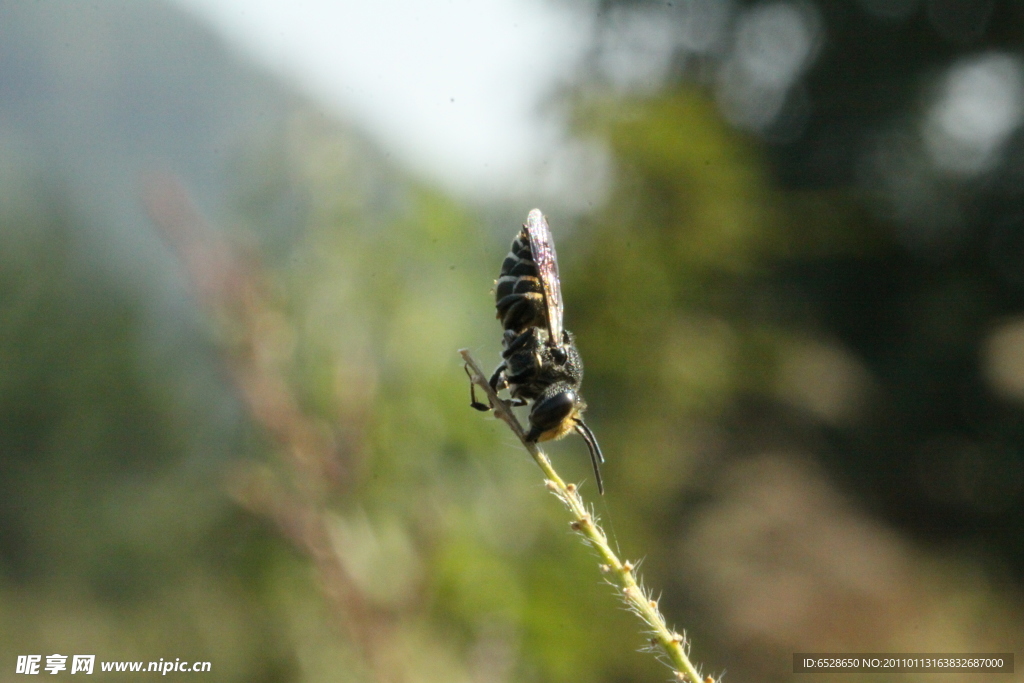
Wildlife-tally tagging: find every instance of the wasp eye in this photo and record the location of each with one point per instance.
(550, 411)
(559, 355)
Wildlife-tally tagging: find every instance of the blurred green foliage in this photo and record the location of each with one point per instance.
(795, 404)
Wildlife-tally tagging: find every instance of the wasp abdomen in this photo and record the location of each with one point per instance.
(520, 311)
(518, 292)
(519, 284)
(518, 266)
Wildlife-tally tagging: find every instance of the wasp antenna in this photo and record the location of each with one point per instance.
(596, 456)
(585, 432)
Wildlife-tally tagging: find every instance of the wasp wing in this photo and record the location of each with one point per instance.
(542, 246)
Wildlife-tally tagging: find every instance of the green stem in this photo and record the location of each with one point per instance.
(620, 574)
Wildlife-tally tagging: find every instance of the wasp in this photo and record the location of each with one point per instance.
(540, 365)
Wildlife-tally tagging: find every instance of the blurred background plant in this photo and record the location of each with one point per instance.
(796, 280)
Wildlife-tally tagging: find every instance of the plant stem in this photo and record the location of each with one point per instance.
(620, 574)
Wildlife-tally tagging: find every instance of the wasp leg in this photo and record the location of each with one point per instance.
(514, 342)
(483, 407)
(498, 380)
(523, 377)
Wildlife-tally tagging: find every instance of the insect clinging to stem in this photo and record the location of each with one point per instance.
(540, 362)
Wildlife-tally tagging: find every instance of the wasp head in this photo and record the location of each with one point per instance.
(558, 411)
(555, 412)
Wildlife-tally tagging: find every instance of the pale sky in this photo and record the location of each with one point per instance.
(454, 89)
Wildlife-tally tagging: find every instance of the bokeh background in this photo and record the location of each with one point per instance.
(234, 426)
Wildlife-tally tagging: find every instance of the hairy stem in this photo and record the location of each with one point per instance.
(619, 573)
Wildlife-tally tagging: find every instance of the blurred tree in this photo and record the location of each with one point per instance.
(811, 252)
(847, 228)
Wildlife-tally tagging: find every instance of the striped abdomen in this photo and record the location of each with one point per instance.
(518, 294)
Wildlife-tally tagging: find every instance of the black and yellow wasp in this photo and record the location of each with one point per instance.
(540, 362)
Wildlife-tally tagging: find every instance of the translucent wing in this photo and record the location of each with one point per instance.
(542, 245)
